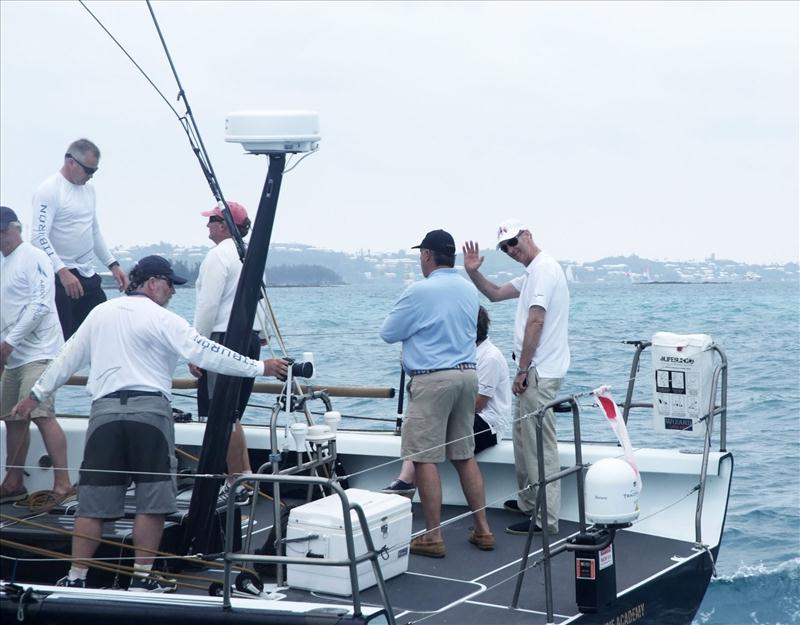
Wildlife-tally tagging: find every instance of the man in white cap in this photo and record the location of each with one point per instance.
(541, 350)
(214, 292)
(132, 345)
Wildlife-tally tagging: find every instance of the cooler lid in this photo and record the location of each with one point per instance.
(327, 512)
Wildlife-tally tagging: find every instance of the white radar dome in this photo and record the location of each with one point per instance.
(270, 132)
(611, 491)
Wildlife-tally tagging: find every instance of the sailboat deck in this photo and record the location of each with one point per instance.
(467, 586)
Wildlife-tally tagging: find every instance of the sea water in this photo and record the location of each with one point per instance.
(758, 326)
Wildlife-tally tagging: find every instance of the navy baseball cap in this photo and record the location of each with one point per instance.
(157, 267)
(438, 241)
(6, 217)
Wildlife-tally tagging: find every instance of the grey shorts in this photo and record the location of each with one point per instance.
(439, 419)
(130, 443)
(16, 384)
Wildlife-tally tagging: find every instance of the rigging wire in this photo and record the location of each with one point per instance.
(125, 52)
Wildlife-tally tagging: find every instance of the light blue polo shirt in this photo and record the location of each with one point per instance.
(436, 320)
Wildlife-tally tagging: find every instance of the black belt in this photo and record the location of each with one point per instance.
(462, 366)
(124, 395)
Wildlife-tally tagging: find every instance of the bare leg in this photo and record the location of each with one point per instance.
(147, 530)
(56, 444)
(90, 530)
(472, 484)
(238, 458)
(407, 472)
(430, 493)
(17, 442)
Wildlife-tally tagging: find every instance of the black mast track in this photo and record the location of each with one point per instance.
(201, 528)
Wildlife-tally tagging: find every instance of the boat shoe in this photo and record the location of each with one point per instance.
(431, 549)
(8, 496)
(484, 542)
(523, 527)
(399, 487)
(512, 506)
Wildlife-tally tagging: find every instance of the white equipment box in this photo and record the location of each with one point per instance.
(267, 132)
(683, 366)
(389, 521)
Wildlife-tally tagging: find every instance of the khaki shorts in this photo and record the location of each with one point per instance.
(16, 384)
(439, 418)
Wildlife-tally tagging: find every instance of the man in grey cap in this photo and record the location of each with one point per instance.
(30, 337)
(435, 320)
(132, 345)
(542, 354)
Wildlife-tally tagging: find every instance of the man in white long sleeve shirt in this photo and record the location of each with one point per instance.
(30, 337)
(65, 227)
(132, 345)
(214, 290)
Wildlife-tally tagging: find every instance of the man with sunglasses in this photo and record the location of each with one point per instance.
(542, 354)
(65, 226)
(131, 345)
(215, 289)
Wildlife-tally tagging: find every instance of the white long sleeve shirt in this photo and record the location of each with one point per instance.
(65, 225)
(215, 288)
(133, 343)
(28, 317)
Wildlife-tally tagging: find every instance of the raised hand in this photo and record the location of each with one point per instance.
(472, 257)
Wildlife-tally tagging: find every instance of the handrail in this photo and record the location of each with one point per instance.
(541, 499)
(721, 371)
(276, 388)
(719, 378)
(721, 409)
(351, 562)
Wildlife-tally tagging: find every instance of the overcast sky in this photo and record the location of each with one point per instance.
(667, 130)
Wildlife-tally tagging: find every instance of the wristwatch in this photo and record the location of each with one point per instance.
(113, 264)
(32, 396)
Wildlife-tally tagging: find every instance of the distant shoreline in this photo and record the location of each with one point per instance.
(684, 282)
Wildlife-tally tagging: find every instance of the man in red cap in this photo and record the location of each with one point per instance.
(214, 291)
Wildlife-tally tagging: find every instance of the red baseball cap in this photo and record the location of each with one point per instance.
(238, 212)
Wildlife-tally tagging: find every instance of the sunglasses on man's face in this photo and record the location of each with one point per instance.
(510, 243)
(89, 171)
(166, 279)
(214, 219)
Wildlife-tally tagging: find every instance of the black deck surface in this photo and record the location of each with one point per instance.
(467, 586)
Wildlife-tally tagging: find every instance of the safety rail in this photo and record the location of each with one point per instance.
(719, 381)
(352, 560)
(565, 404)
(541, 500)
(720, 372)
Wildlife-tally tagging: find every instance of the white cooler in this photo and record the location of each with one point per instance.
(389, 521)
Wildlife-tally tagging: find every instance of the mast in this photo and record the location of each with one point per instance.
(202, 524)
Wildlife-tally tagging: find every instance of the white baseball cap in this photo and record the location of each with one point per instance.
(508, 229)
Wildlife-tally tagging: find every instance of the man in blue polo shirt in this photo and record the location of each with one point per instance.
(435, 320)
